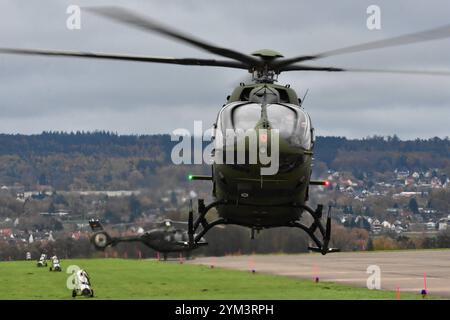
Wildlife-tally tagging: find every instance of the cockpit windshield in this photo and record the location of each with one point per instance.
(291, 121)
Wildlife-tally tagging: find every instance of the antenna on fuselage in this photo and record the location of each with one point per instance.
(304, 97)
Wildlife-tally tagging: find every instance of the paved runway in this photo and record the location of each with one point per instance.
(402, 269)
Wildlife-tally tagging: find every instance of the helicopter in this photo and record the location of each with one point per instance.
(165, 238)
(242, 195)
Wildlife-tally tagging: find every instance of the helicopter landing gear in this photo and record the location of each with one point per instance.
(322, 246)
(195, 239)
(252, 234)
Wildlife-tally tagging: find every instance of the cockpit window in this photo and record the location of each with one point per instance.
(282, 118)
(292, 122)
(246, 117)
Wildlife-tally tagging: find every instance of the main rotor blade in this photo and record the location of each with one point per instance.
(91, 55)
(411, 72)
(145, 23)
(418, 37)
(309, 68)
(363, 70)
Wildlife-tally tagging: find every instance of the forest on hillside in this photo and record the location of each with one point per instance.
(108, 161)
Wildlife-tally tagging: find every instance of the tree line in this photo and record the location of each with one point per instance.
(106, 160)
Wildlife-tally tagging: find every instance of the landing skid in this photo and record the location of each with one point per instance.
(202, 211)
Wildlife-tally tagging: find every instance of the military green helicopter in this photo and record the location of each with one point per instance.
(243, 196)
(164, 238)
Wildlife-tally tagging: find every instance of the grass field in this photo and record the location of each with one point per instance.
(148, 279)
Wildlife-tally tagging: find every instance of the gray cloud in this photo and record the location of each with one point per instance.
(68, 94)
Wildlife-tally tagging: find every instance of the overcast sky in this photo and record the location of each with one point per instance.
(40, 93)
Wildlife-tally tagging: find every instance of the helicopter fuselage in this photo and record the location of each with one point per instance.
(262, 201)
(165, 240)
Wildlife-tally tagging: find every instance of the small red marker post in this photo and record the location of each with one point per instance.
(425, 280)
(398, 293)
(157, 256)
(181, 258)
(252, 265)
(316, 278)
(424, 291)
(213, 262)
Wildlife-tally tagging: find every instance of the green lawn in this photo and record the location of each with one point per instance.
(146, 279)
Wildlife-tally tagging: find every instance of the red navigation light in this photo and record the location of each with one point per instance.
(263, 137)
(326, 183)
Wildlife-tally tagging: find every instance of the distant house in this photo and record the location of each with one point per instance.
(386, 225)
(401, 175)
(376, 226)
(7, 232)
(394, 211)
(58, 213)
(430, 225)
(429, 211)
(406, 194)
(398, 229)
(443, 223)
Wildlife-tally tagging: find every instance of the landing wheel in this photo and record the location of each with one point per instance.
(74, 293)
(92, 293)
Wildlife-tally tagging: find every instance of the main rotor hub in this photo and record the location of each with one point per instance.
(267, 54)
(265, 73)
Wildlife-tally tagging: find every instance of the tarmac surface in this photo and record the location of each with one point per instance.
(409, 271)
